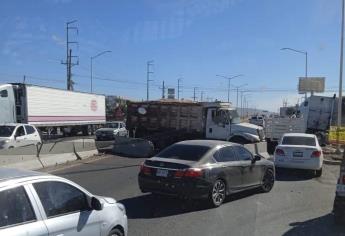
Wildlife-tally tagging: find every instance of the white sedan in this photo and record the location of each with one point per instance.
(299, 151)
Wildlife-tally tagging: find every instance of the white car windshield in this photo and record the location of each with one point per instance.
(112, 125)
(6, 130)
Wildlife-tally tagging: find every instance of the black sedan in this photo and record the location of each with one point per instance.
(208, 169)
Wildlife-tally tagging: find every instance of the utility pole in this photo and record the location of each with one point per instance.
(237, 87)
(201, 96)
(69, 55)
(24, 78)
(340, 100)
(179, 80)
(194, 93)
(148, 80)
(163, 91)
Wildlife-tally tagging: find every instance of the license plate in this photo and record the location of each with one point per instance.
(298, 154)
(162, 173)
(103, 135)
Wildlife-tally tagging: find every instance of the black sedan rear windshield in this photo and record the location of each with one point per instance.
(6, 130)
(184, 152)
(296, 140)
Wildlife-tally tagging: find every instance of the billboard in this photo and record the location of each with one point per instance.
(311, 84)
(171, 93)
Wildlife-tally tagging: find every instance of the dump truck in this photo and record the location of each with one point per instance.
(167, 121)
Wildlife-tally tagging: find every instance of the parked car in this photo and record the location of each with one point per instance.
(18, 135)
(339, 200)
(205, 169)
(111, 129)
(34, 203)
(257, 120)
(299, 151)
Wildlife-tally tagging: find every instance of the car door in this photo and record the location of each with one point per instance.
(67, 210)
(19, 214)
(123, 129)
(230, 167)
(20, 137)
(32, 135)
(251, 172)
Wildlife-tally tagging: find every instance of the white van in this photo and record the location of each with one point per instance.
(18, 135)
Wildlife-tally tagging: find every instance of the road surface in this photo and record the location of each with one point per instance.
(298, 204)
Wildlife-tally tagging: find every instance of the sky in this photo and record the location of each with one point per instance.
(190, 39)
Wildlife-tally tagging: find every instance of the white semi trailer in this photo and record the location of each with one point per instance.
(51, 108)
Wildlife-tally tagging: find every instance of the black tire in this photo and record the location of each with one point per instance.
(116, 232)
(267, 181)
(218, 193)
(318, 173)
(338, 217)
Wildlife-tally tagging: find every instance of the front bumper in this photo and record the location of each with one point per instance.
(183, 188)
(105, 136)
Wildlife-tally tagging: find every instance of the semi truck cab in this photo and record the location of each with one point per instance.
(7, 104)
(223, 123)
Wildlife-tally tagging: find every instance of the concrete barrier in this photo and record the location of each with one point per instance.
(133, 147)
(50, 154)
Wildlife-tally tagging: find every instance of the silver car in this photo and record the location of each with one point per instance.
(33, 203)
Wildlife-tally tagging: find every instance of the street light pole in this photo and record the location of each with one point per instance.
(340, 102)
(229, 82)
(91, 59)
(306, 62)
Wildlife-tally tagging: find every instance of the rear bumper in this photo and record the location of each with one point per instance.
(184, 188)
(309, 164)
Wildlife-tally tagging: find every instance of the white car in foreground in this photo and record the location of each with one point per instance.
(299, 151)
(18, 135)
(34, 203)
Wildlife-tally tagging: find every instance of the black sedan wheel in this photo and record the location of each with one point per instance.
(218, 193)
(268, 181)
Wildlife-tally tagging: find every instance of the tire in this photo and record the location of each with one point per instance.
(115, 232)
(318, 173)
(338, 218)
(218, 193)
(267, 181)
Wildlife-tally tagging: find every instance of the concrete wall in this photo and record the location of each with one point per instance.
(50, 154)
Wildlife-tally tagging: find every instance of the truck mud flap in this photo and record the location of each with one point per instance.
(133, 147)
(258, 149)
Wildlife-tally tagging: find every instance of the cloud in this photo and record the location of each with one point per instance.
(59, 41)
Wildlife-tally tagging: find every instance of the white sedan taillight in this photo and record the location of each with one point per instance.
(316, 154)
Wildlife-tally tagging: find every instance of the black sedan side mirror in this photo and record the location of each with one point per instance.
(256, 158)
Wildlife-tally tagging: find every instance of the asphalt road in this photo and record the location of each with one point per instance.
(298, 204)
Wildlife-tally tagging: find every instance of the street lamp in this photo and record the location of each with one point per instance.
(340, 102)
(306, 60)
(229, 81)
(238, 87)
(91, 59)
